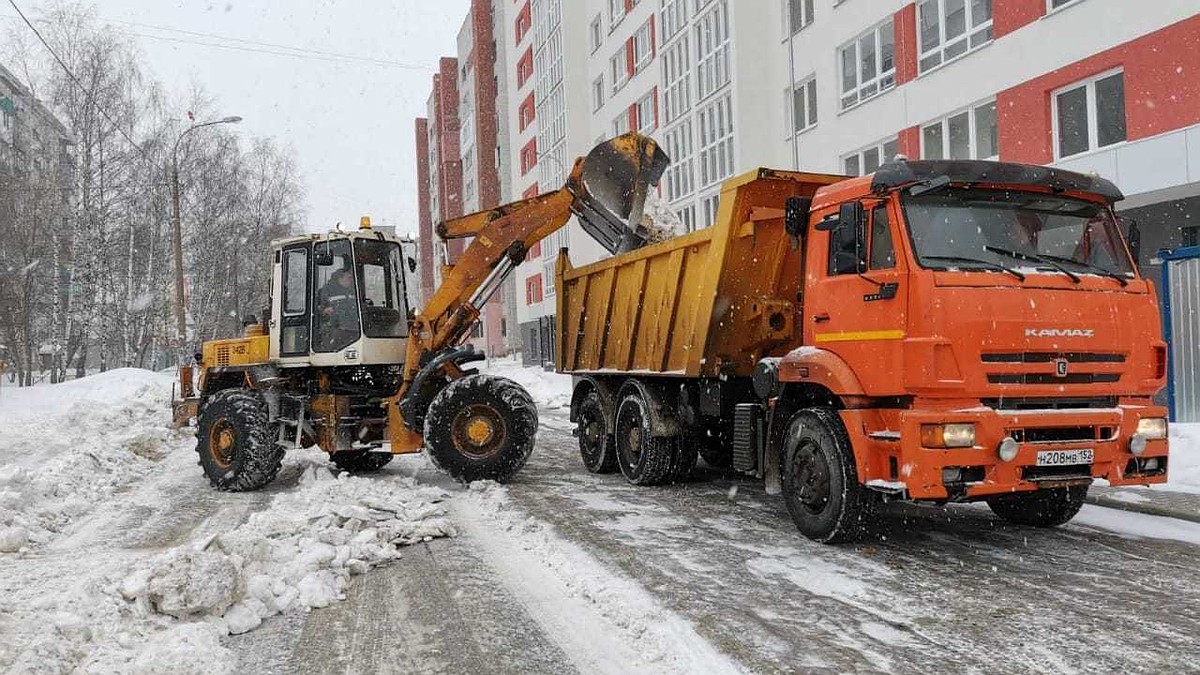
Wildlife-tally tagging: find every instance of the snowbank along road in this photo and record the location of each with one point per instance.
(116, 556)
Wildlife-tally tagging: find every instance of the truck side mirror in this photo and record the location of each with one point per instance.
(1135, 241)
(847, 239)
(795, 215)
(412, 264)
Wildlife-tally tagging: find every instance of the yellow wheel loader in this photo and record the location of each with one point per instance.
(341, 361)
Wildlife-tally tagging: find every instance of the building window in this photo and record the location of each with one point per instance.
(533, 289)
(647, 112)
(1191, 235)
(712, 51)
(548, 275)
(708, 206)
(525, 68)
(800, 14)
(803, 100)
(674, 18)
(618, 70)
(524, 22)
(687, 217)
(527, 113)
(716, 141)
(1055, 4)
(677, 142)
(596, 33)
(1090, 115)
(970, 134)
(868, 159)
(643, 47)
(677, 98)
(950, 28)
(598, 93)
(529, 158)
(620, 124)
(616, 12)
(868, 65)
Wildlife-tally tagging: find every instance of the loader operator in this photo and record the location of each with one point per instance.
(338, 306)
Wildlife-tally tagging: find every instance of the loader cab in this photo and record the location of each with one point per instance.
(339, 299)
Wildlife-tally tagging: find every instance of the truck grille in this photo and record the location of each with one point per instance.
(1063, 434)
(222, 356)
(1064, 403)
(1051, 378)
(1053, 367)
(1050, 357)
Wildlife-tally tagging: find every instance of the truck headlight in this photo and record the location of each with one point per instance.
(947, 435)
(1152, 428)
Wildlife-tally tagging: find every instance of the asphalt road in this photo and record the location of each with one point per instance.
(928, 590)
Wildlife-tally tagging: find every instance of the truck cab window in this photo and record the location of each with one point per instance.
(335, 320)
(381, 278)
(293, 331)
(883, 252)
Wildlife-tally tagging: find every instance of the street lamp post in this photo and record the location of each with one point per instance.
(177, 234)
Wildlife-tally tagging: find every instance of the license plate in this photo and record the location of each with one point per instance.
(1065, 457)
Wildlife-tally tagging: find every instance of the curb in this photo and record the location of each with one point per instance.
(1148, 509)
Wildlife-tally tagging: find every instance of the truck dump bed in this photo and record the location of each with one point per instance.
(708, 303)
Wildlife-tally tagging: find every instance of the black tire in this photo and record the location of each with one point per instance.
(361, 461)
(597, 448)
(481, 427)
(713, 446)
(1041, 508)
(644, 459)
(820, 481)
(236, 441)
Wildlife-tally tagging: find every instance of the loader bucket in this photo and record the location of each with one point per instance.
(611, 194)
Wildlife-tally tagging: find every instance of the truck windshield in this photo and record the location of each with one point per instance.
(987, 230)
(381, 278)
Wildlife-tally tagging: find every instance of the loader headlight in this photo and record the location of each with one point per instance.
(1152, 428)
(947, 435)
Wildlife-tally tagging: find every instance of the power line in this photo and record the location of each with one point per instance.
(313, 56)
(75, 79)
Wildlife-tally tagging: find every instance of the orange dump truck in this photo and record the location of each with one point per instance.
(938, 331)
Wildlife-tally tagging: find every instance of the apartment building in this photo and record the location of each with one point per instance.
(1104, 86)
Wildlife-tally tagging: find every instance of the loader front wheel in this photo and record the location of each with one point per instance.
(481, 427)
(643, 458)
(597, 448)
(237, 444)
(820, 481)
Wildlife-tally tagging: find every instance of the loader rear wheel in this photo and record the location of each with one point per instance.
(644, 459)
(361, 461)
(597, 448)
(1043, 508)
(481, 427)
(820, 481)
(237, 443)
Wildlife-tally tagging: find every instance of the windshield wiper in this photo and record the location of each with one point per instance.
(1091, 266)
(1034, 258)
(997, 267)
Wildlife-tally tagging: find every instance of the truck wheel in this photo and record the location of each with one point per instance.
(712, 446)
(644, 459)
(1041, 508)
(361, 461)
(820, 481)
(237, 443)
(596, 446)
(481, 427)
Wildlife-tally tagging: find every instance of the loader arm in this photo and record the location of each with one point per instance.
(606, 190)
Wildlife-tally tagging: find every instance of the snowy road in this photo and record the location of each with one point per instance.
(930, 590)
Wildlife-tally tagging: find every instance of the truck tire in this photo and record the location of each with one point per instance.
(481, 427)
(712, 444)
(361, 461)
(597, 448)
(644, 459)
(1041, 508)
(236, 441)
(820, 481)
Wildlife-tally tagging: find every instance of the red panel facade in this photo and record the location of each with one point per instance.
(1161, 92)
(905, 22)
(1010, 15)
(424, 216)
(483, 62)
(909, 141)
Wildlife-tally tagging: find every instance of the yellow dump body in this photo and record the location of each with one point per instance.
(703, 304)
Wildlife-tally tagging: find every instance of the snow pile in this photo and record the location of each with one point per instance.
(67, 446)
(1183, 466)
(297, 554)
(549, 390)
(566, 590)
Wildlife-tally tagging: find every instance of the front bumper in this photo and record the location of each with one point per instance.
(885, 457)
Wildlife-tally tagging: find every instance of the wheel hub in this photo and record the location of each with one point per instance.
(478, 431)
(220, 443)
(812, 477)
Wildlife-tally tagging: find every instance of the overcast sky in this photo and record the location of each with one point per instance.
(350, 124)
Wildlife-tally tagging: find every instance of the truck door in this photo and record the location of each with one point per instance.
(857, 303)
(294, 305)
